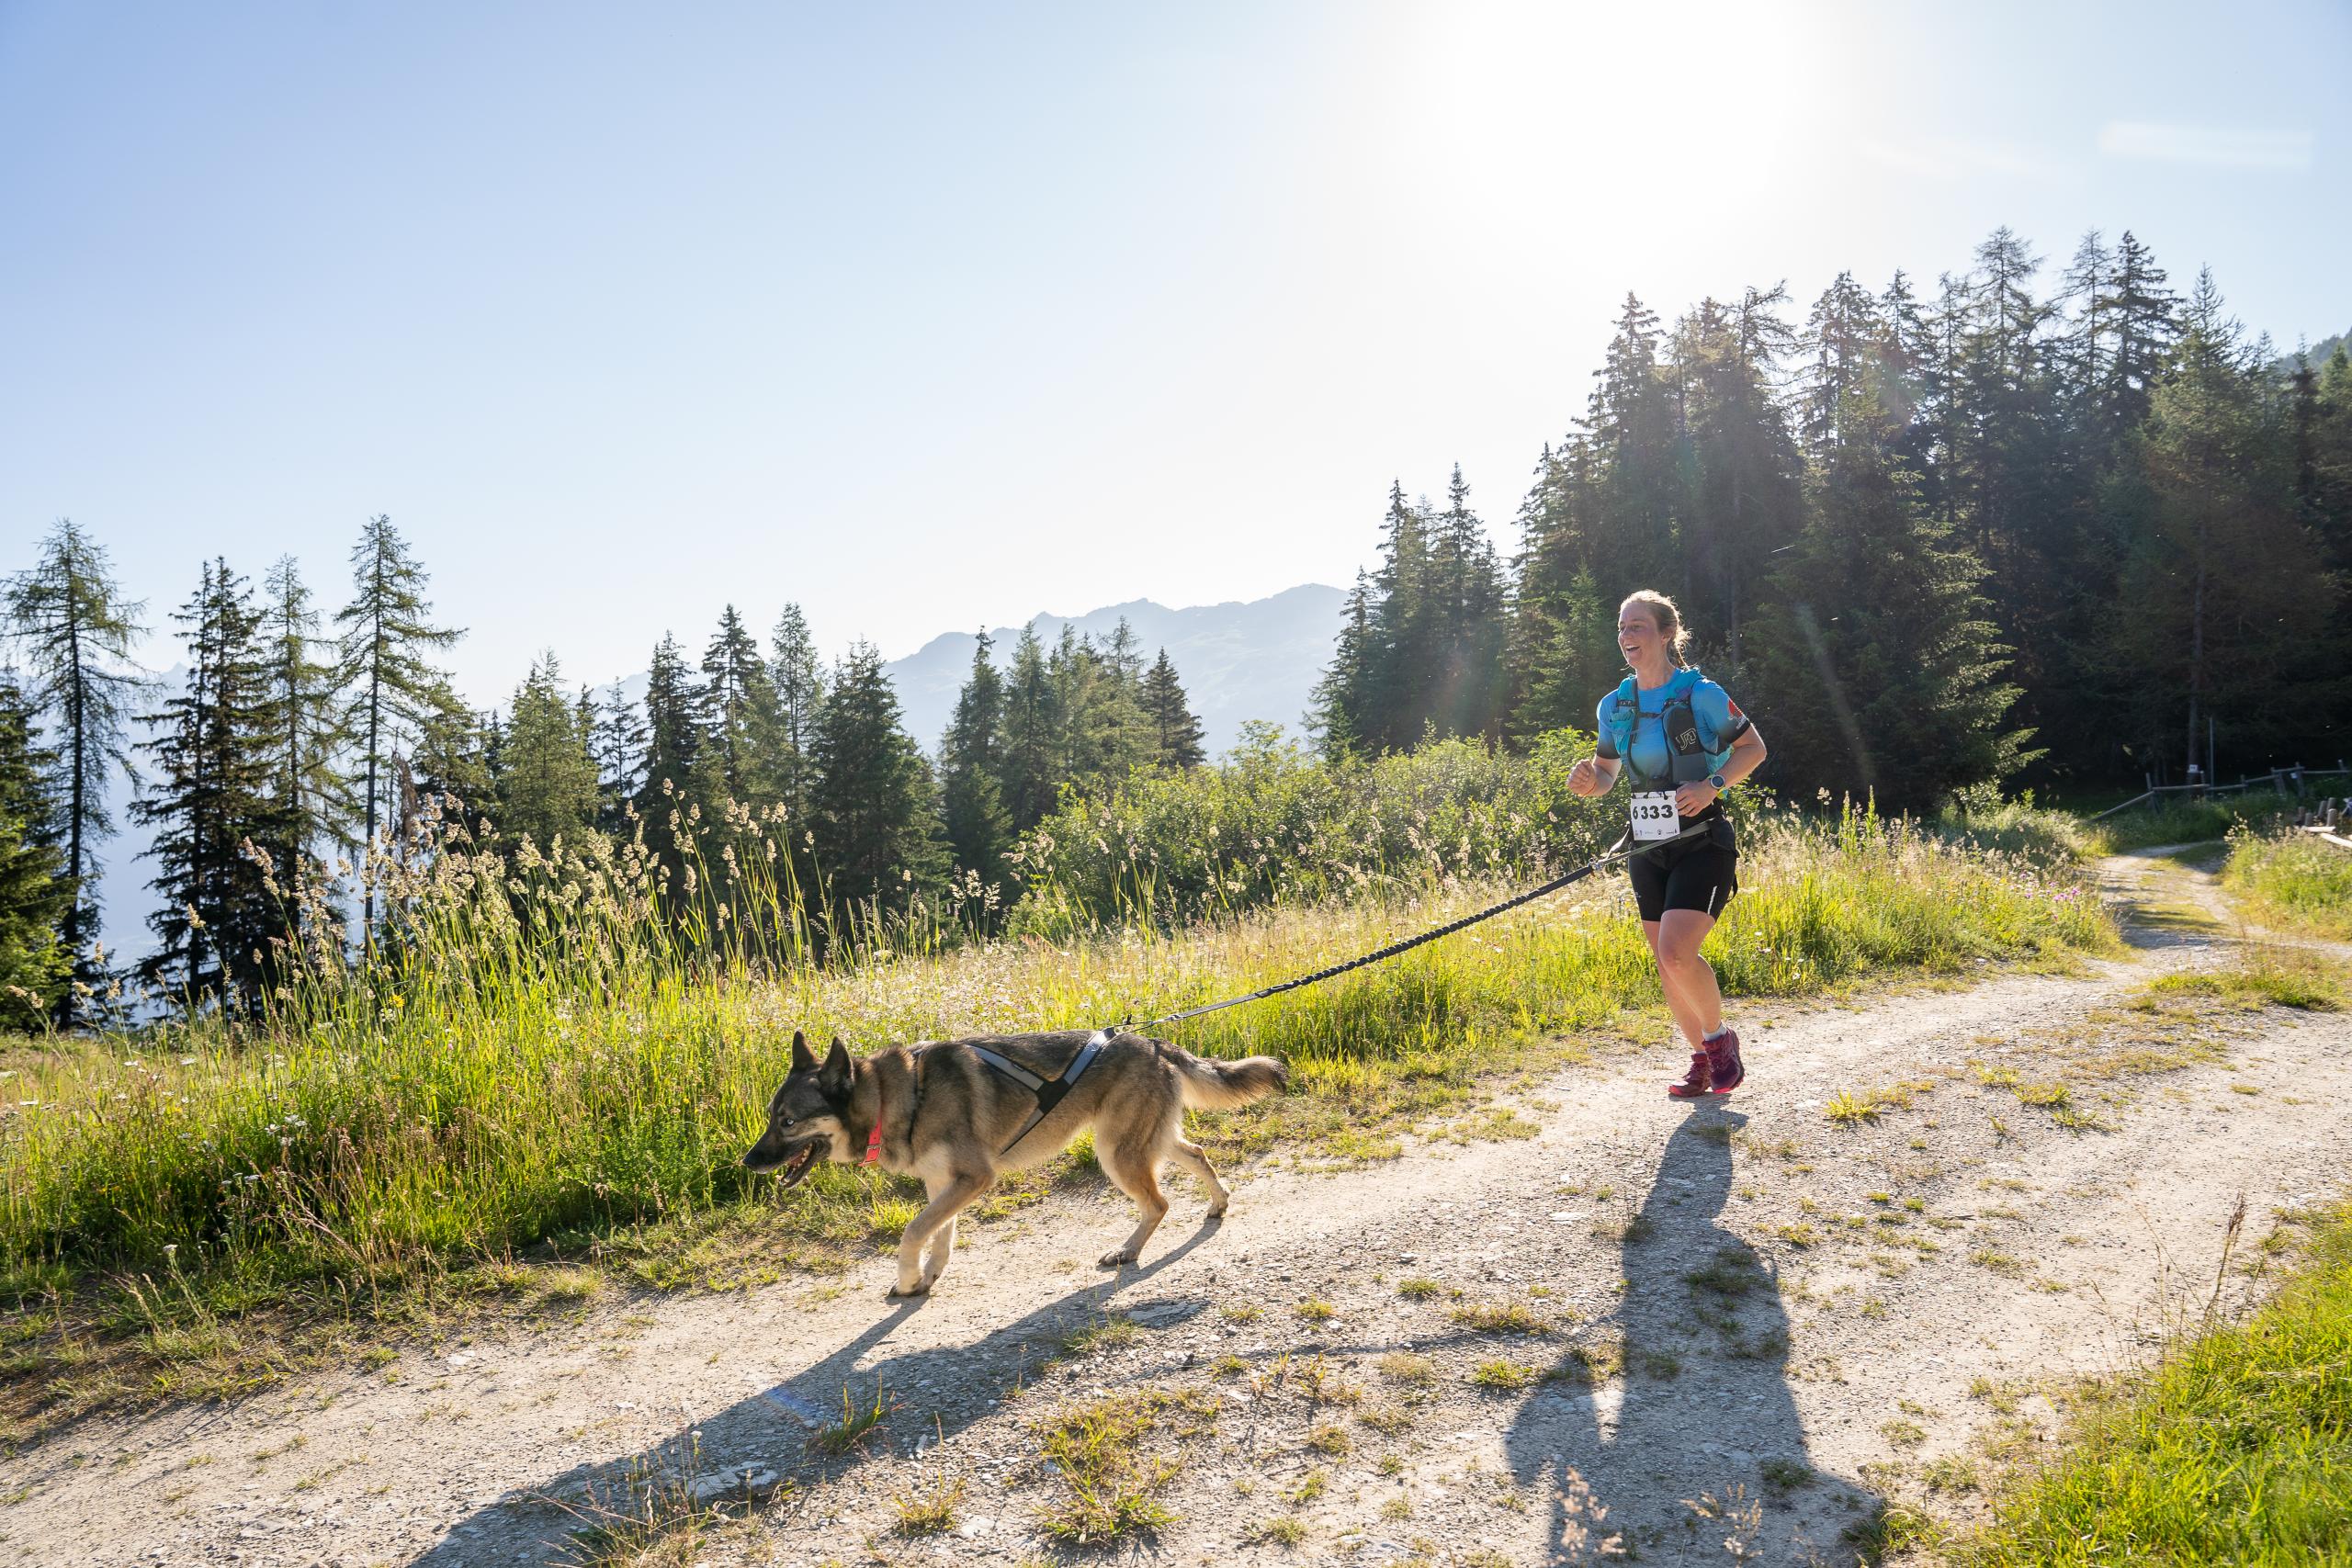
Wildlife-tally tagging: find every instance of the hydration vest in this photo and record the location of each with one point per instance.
(1693, 756)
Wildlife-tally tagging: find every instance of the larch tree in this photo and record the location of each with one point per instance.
(314, 805)
(392, 689)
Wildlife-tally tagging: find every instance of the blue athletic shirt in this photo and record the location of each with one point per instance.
(1719, 719)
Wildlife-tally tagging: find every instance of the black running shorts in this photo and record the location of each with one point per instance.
(1702, 875)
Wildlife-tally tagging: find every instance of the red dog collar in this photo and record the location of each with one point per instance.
(873, 1139)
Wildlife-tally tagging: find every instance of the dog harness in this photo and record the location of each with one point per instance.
(1050, 1091)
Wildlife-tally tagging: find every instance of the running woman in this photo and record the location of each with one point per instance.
(1686, 742)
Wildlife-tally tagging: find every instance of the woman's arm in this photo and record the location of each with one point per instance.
(1746, 756)
(1594, 775)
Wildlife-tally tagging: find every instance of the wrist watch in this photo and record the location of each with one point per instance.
(1717, 780)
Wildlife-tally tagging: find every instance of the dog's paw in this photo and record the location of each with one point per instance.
(1117, 1258)
(1217, 1213)
(900, 1293)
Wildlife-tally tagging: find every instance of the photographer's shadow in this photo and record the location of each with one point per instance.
(1671, 1424)
(770, 1431)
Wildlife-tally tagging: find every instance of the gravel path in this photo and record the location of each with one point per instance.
(1757, 1325)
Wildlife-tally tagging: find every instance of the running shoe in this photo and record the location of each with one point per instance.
(1724, 1065)
(1699, 1082)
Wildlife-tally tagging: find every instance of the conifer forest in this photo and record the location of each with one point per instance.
(2058, 526)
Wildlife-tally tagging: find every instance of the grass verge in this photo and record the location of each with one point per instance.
(2293, 880)
(2237, 1450)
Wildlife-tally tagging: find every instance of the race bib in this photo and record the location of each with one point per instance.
(1655, 817)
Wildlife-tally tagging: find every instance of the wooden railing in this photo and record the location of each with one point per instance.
(2282, 781)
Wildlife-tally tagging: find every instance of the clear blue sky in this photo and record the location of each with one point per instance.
(938, 317)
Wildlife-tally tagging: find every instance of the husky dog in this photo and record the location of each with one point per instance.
(939, 1111)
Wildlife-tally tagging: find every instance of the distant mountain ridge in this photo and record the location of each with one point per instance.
(1239, 660)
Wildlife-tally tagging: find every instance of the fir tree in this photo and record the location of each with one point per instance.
(799, 687)
(2225, 595)
(1176, 731)
(548, 788)
(1883, 674)
(222, 909)
(876, 825)
(392, 689)
(617, 740)
(75, 630)
(741, 722)
(1028, 753)
(34, 896)
(1336, 714)
(978, 827)
(673, 741)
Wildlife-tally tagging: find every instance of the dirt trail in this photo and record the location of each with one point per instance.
(1736, 1315)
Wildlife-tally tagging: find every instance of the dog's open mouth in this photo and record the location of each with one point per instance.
(798, 1165)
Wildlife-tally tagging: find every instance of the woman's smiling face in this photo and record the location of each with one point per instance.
(1638, 638)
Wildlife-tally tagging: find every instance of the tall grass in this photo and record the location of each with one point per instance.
(1278, 825)
(539, 1055)
(2238, 1450)
(2293, 879)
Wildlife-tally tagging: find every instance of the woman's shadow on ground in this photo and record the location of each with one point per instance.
(1692, 1437)
(931, 1394)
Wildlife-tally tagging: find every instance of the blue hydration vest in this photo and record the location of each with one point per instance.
(1698, 719)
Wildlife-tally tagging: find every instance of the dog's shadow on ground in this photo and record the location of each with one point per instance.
(929, 1394)
(1693, 1438)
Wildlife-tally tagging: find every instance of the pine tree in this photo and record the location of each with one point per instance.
(313, 807)
(1882, 675)
(75, 630)
(1176, 731)
(876, 824)
(35, 896)
(391, 689)
(548, 790)
(222, 909)
(979, 828)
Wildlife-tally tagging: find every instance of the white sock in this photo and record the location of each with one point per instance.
(1719, 1034)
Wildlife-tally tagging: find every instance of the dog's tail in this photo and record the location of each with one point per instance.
(1220, 1085)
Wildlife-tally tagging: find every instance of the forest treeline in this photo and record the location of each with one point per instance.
(300, 760)
(2073, 534)
(1986, 534)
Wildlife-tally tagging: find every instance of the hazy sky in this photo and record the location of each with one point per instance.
(933, 317)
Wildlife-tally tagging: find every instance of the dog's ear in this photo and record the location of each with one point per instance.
(802, 1060)
(833, 1079)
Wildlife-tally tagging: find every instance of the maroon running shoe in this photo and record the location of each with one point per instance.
(1723, 1062)
(1699, 1082)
